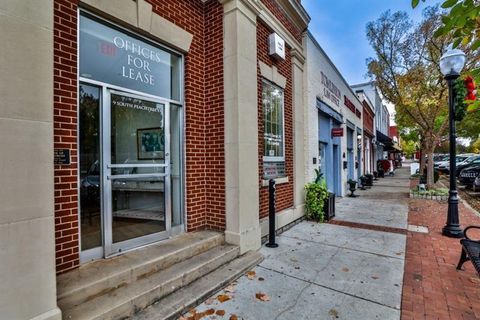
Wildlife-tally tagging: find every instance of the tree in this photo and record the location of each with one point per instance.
(406, 70)
(462, 24)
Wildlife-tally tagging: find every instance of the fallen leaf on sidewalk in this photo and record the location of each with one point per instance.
(345, 269)
(209, 312)
(399, 253)
(233, 317)
(230, 289)
(333, 313)
(220, 313)
(209, 301)
(260, 279)
(375, 277)
(262, 296)
(223, 297)
(251, 275)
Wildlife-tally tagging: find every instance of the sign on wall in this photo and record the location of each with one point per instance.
(276, 46)
(330, 90)
(337, 132)
(111, 56)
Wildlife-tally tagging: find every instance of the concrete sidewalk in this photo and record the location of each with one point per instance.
(328, 271)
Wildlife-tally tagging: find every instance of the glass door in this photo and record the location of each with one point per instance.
(136, 144)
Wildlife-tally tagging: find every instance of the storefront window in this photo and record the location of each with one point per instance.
(273, 155)
(322, 158)
(89, 164)
(111, 56)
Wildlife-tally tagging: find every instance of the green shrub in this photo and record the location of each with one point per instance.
(316, 194)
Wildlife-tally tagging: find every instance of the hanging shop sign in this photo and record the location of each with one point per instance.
(276, 46)
(337, 132)
(111, 56)
(330, 90)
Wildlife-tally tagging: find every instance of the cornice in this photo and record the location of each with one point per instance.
(295, 11)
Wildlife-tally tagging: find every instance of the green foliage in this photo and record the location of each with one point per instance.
(461, 105)
(316, 194)
(432, 192)
(462, 24)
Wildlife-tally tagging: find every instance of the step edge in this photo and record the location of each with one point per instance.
(229, 250)
(214, 241)
(254, 258)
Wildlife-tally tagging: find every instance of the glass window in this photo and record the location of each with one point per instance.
(115, 57)
(322, 157)
(273, 136)
(90, 186)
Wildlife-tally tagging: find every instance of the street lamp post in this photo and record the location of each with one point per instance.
(451, 64)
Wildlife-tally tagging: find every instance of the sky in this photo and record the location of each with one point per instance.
(339, 27)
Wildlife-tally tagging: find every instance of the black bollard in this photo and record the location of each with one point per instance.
(271, 214)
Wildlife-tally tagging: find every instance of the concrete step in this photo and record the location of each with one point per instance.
(130, 298)
(181, 301)
(103, 276)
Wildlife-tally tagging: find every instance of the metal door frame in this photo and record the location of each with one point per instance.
(111, 248)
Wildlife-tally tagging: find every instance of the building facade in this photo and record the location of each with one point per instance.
(382, 118)
(335, 128)
(168, 117)
(368, 133)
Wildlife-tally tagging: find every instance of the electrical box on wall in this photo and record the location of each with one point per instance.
(276, 46)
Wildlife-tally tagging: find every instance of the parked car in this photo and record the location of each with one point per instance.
(441, 161)
(467, 176)
(469, 162)
(444, 167)
(476, 184)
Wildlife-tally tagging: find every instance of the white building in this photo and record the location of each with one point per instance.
(382, 117)
(333, 122)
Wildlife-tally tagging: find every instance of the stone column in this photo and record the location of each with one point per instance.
(299, 134)
(27, 248)
(241, 125)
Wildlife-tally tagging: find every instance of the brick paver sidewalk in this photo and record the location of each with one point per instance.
(433, 288)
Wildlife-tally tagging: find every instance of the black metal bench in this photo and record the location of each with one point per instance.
(470, 251)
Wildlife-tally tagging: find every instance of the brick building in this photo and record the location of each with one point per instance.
(159, 118)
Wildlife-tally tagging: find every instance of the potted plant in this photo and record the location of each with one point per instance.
(352, 187)
(363, 182)
(369, 181)
(315, 198)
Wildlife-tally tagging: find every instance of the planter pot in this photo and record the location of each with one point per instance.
(329, 206)
(369, 180)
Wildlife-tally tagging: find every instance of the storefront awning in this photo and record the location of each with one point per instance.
(386, 140)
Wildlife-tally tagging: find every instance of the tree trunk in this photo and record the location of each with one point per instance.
(430, 169)
(422, 157)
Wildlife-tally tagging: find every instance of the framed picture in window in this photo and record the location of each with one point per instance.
(150, 144)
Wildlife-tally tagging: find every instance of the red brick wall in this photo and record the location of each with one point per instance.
(367, 118)
(65, 133)
(280, 14)
(205, 186)
(284, 192)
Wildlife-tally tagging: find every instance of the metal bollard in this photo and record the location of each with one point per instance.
(271, 214)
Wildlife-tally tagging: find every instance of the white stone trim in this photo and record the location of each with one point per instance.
(139, 14)
(282, 219)
(280, 180)
(271, 74)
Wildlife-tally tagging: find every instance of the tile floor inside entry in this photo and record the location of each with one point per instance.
(328, 271)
